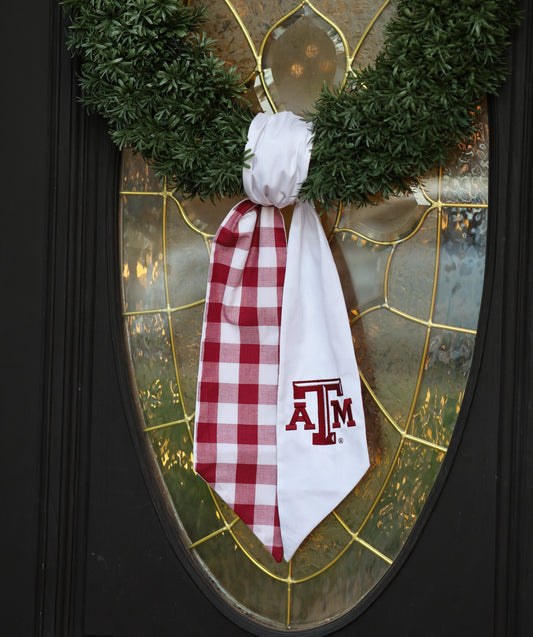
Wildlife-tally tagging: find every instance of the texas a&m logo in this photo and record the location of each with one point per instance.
(329, 412)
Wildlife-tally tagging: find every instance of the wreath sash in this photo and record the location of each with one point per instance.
(280, 431)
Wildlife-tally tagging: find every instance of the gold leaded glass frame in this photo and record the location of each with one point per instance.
(395, 260)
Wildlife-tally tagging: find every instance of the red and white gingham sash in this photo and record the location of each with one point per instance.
(235, 432)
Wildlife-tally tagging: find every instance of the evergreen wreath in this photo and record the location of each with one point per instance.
(151, 72)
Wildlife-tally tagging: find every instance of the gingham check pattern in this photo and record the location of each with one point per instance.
(235, 432)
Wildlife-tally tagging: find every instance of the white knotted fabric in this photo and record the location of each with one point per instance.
(312, 433)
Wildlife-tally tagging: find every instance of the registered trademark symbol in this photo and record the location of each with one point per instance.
(341, 440)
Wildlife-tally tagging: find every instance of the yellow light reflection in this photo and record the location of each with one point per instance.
(297, 70)
(142, 271)
(311, 50)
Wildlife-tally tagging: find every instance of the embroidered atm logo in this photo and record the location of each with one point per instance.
(329, 412)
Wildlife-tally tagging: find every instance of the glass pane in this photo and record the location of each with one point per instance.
(446, 369)
(142, 253)
(187, 331)
(231, 43)
(467, 179)
(301, 54)
(406, 491)
(383, 443)
(362, 266)
(320, 549)
(239, 577)
(411, 276)
(173, 453)
(205, 216)
(334, 591)
(390, 349)
(136, 175)
(153, 365)
(461, 267)
(387, 221)
(186, 253)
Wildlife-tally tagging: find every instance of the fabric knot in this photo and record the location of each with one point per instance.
(281, 146)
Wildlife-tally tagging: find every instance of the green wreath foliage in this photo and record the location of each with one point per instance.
(147, 67)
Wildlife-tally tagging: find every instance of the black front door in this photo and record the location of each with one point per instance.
(85, 550)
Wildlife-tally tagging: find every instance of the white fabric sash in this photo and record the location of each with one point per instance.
(321, 438)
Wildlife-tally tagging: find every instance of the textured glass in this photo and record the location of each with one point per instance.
(354, 254)
(153, 363)
(136, 175)
(256, 17)
(173, 450)
(186, 253)
(390, 350)
(407, 488)
(142, 253)
(187, 330)
(205, 216)
(230, 43)
(446, 369)
(467, 179)
(258, 553)
(301, 55)
(239, 577)
(461, 266)
(412, 273)
(386, 221)
(330, 593)
(409, 286)
(383, 442)
(320, 549)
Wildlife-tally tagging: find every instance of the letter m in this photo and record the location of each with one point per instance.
(343, 413)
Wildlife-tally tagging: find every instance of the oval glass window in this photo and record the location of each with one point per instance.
(412, 272)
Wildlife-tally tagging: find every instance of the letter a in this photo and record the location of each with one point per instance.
(300, 415)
